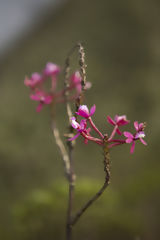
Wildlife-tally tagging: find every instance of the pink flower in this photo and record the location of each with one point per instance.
(80, 127)
(83, 111)
(82, 130)
(42, 98)
(118, 121)
(51, 69)
(32, 82)
(75, 82)
(138, 135)
(138, 127)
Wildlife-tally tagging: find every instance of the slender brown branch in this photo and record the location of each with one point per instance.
(82, 65)
(102, 189)
(70, 197)
(83, 74)
(62, 149)
(70, 149)
(70, 143)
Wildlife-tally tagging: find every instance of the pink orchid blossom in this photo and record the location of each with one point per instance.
(51, 69)
(82, 130)
(139, 135)
(138, 127)
(117, 122)
(80, 127)
(75, 82)
(83, 111)
(42, 98)
(35, 80)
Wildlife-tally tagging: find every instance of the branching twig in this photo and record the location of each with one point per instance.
(83, 74)
(106, 183)
(70, 149)
(82, 65)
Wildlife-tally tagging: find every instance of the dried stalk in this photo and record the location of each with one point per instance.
(70, 148)
(62, 149)
(82, 72)
(102, 189)
(82, 65)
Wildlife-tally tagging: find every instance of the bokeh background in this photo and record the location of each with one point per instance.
(122, 43)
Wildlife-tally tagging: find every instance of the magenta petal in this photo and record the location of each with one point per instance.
(92, 110)
(27, 81)
(39, 107)
(118, 131)
(86, 141)
(110, 120)
(82, 114)
(136, 125)
(132, 147)
(128, 135)
(51, 69)
(142, 141)
(122, 122)
(88, 85)
(74, 123)
(35, 97)
(76, 78)
(140, 126)
(73, 138)
(48, 99)
(129, 140)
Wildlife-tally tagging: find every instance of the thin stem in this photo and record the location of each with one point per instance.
(69, 143)
(113, 133)
(116, 142)
(102, 189)
(70, 150)
(83, 66)
(95, 128)
(70, 198)
(90, 138)
(62, 148)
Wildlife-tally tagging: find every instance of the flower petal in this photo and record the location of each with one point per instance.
(73, 138)
(118, 131)
(92, 110)
(74, 123)
(83, 111)
(142, 141)
(39, 107)
(110, 120)
(141, 126)
(129, 140)
(35, 97)
(128, 135)
(136, 125)
(86, 141)
(132, 147)
(48, 99)
(51, 69)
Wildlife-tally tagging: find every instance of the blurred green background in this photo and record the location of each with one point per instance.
(122, 43)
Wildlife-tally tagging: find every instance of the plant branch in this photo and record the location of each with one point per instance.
(102, 189)
(70, 150)
(62, 148)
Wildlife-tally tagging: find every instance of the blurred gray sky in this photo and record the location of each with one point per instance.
(18, 16)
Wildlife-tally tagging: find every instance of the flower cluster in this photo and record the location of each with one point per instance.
(117, 122)
(44, 95)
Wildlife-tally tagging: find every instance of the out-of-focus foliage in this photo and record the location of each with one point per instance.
(41, 213)
(122, 41)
